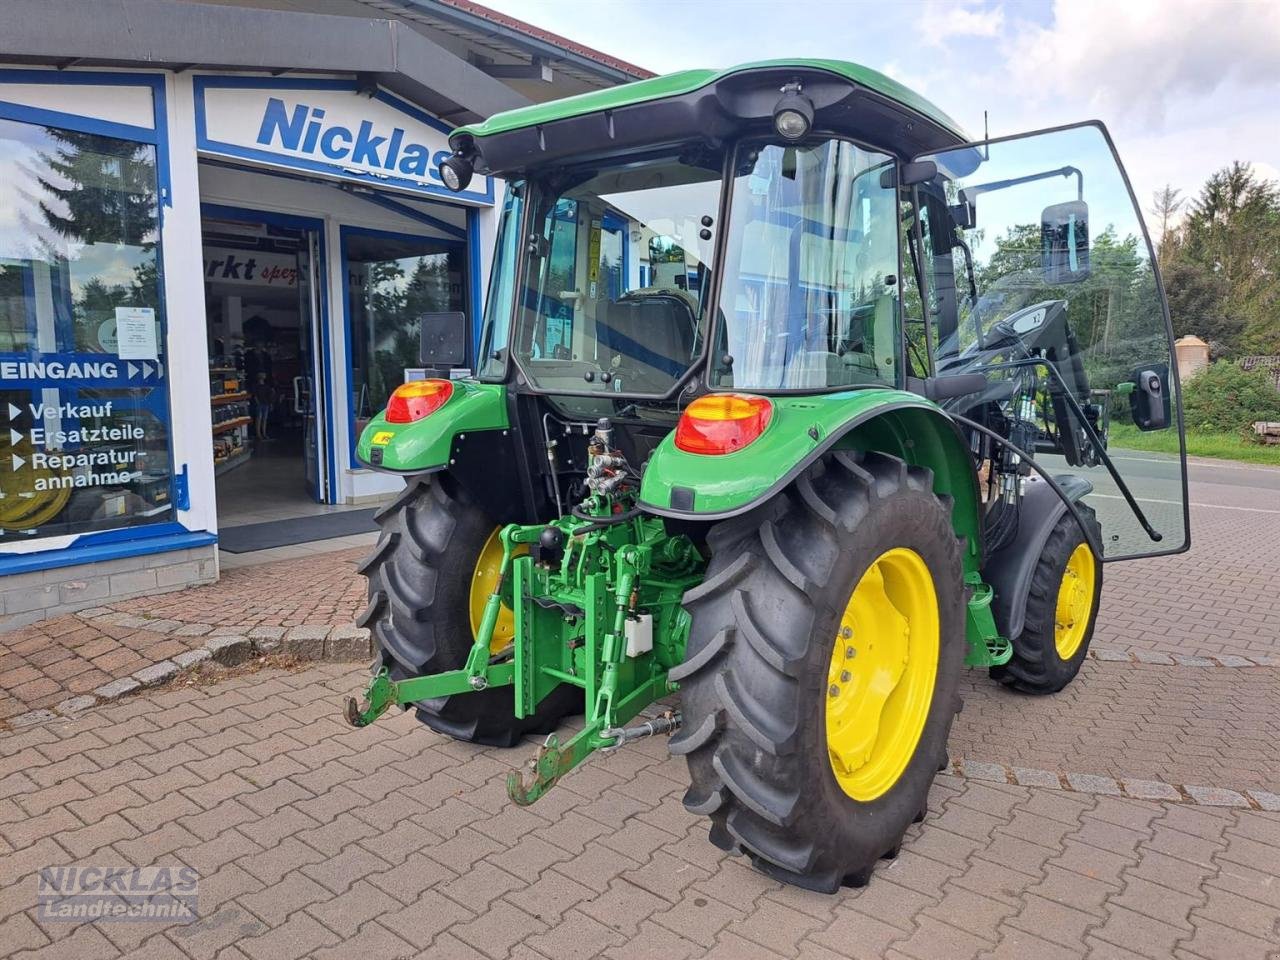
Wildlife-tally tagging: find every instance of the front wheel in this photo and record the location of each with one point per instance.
(1062, 608)
(822, 669)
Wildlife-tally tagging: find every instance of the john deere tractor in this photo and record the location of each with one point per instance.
(789, 403)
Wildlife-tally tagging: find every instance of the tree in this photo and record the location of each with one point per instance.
(107, 187)
(1232, 230)
(1165, 204)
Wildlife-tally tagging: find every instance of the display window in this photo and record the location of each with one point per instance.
(84, 417)
(391, 282)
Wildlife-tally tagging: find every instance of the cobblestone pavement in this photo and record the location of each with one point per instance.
(45, 663)
(315, 840)
(1218, 598)
(1135, 814)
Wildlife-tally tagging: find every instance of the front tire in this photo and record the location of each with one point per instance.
(433, 537)
(772, 760)
(1062, 609)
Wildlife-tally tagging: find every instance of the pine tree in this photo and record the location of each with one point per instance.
(106, 186)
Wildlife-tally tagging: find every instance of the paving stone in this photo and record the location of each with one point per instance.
(117, 688)
(1266, 800)
(32, 717)
(1153, 657)
(1185, 661)
(306, 642)
(1115, 656)
(1231, 660)
(156, 674)
(980, 770)
(1150, 790)
(1216, 797)
(73, 705)
(1029, 777)
(230, 650)
(190, 658)
(347, 644)
(1093, 783)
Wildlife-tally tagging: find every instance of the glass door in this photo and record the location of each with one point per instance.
(308, 384)
(1044, 280)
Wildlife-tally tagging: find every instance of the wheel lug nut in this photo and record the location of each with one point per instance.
(850, 653)
(834, 690)
(844, 677)
(846, 632)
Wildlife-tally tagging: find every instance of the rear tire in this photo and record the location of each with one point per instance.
(1038, 665)
(754, 684)
(419, 610)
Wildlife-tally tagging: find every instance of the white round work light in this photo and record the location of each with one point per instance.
(793, 113)
(455, 172)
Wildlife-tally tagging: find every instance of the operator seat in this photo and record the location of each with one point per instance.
(653, 335)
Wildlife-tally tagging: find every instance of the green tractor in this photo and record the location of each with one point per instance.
(789, 404)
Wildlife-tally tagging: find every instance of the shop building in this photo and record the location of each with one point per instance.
(219, 223)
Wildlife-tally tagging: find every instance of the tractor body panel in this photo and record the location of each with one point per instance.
(695, 486)
(427, 444)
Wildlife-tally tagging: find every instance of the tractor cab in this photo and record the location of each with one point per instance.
(790, 402)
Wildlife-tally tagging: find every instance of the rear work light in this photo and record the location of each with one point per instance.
(719, 423)
(416, 399)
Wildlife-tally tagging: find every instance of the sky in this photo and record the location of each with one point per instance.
(1184, 86)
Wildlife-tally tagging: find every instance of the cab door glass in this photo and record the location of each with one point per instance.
(1040, 275)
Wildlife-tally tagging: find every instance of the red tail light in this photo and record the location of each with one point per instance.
(416, 399)
(722, 423)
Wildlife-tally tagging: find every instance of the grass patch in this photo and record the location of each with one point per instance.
(1218, 446)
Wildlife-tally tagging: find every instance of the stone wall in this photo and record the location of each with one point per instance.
(28, 597)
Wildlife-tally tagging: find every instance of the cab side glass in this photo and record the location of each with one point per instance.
(1056, 301)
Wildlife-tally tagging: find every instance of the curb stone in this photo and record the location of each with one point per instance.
(1156, 658)
(157, 673)
(1091, 783)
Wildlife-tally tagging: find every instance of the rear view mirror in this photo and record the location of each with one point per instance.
(444, 339)
(1064, 242)
(1149, 400)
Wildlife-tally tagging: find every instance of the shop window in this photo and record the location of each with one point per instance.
(391, 282)
(84, 419)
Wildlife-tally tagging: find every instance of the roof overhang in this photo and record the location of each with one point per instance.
(178, 35)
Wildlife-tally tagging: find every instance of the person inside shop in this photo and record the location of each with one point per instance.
(264, 397)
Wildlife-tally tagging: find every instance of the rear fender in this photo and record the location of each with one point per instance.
(425, 445)
(690, 486)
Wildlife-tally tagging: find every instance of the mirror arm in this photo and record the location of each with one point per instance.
(969, 194)
(1155, 535)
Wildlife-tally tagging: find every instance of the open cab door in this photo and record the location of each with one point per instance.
(1041, 276)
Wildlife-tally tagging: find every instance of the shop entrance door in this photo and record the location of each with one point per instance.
(264, 278)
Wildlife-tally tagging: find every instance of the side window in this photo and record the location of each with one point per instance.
(1045, 283)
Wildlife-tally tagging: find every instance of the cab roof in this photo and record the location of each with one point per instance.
(689, 81)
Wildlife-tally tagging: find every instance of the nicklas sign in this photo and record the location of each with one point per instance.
(325, 125)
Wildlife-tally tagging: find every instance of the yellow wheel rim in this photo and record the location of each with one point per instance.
(483, 580)
(883, 667)
(1075, 601)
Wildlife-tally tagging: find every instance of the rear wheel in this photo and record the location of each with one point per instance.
(435, 564)
(1062, 608)
(822, 670)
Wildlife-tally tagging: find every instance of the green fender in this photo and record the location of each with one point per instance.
(426, 444)
(695, 486)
